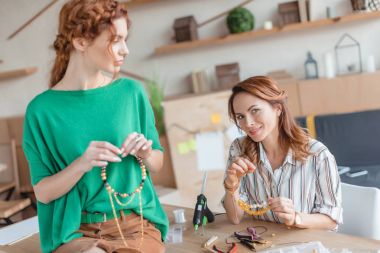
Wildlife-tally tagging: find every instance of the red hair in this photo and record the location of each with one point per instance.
(82, 19)
(290, 134)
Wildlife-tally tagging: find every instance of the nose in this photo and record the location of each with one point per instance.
(250, 121)
(124, 51)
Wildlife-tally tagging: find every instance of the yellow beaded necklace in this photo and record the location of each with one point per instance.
(116, 195)
(255, 209)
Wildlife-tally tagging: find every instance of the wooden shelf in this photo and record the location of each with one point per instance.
(133, 3)
(172, 48)
(17, 73)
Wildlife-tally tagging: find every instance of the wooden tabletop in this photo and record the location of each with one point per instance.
(278, 235)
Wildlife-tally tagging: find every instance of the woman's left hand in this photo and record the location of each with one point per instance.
(137, 145)
(284, 209)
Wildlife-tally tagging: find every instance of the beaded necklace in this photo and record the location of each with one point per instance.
(255, 209)
(117, 195)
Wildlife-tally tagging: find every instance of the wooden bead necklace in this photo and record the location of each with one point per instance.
(116, 195)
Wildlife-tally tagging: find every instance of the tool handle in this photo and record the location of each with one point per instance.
(210, 216)
(199, 209)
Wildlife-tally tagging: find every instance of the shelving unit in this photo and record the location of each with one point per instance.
(183, 46)
(17, 73)
(132, 3)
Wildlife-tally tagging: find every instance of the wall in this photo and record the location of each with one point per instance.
(152, 28)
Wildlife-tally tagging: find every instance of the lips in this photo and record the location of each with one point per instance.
(254, 131)
(119, 63)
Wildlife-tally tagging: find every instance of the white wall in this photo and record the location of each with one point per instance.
(152, 27)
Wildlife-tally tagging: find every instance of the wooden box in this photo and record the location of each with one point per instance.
(227, 75)
(185, 29)
(359, 5)
(289, 13)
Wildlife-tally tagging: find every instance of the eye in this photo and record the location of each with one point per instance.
(254, 110)
(239, 117)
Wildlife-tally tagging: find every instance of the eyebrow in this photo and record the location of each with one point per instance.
(252, 106)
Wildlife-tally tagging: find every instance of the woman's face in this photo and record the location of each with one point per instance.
(98, 52)
(256, 117)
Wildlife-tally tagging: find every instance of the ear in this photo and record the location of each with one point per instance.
(80, 44)
(278, 109)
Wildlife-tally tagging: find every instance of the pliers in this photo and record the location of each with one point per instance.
(233, 249)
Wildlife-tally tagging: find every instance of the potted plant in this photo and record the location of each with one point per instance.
(156, 96)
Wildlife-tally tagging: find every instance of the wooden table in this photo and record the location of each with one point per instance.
(223, 229)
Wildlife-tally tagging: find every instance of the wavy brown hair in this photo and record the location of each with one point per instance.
(290, 134)
(82, 19)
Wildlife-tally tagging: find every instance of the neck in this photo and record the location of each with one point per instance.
(272, 145)
(80, 76)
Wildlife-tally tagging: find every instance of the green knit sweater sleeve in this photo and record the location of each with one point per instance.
(32, 146)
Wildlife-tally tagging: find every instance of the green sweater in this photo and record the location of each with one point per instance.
(59, 125)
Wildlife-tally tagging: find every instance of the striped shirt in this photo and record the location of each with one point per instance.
(314, 185)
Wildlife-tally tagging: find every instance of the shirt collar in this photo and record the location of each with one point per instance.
(288, 159)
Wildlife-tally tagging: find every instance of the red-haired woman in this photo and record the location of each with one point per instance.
(88, 139)
(277, 164)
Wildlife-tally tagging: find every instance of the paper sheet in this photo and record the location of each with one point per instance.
(210, 151)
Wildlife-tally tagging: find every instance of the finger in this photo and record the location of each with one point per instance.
(238, 169)
(138, 146)
(96, 163)
(107, 145)
(148, 145)
(286, 202)
(272, 201)
(242, 164)
(128, 140)
(282, 209)
(131, 142)
(285, 216)
(106, 153)
(231, 172)
(106, 157)
(274, 205)
(251, 166)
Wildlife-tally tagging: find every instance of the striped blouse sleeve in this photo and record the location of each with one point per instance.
(328, 189)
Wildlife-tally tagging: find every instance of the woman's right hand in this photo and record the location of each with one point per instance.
(238, 168)
(98, 154)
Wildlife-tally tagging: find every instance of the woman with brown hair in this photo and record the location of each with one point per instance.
(277, 165)
(91, 141)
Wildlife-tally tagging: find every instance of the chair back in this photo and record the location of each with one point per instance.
(361, 211)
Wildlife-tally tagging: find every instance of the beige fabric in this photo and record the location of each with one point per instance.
(105, 235)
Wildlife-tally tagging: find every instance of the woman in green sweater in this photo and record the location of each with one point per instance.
(88, 139)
